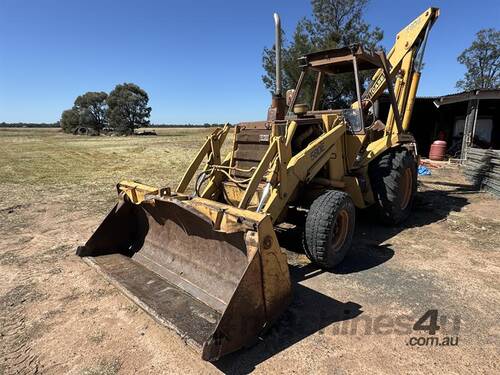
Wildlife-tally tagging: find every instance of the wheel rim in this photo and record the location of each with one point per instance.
(406, 188)
(340, 230)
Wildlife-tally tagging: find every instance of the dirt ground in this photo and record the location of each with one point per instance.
(57, 315)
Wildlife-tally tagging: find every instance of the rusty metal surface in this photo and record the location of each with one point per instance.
(251, 144)
(216, 282)
(167, 303)
(278, 108)
(182, 247)
(250, 152)
(339, 60)
(253, 136)
(254, 125)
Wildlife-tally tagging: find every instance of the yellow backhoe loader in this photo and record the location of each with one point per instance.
(208, 263)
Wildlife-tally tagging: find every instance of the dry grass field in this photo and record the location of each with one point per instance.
(57, 315)
(37, 160)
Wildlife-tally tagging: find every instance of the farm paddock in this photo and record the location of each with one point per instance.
(57, 315)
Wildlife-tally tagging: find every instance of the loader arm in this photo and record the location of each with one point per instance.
(210, 149)
(287, 171)
(303, 167)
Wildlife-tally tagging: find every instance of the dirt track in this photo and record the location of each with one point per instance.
(57, 315)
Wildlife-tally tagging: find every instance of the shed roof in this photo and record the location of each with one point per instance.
(467, 95)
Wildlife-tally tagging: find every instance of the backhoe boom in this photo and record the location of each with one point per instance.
(405, 60)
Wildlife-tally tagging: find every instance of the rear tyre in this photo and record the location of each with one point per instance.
(393, 179)
(329, 228)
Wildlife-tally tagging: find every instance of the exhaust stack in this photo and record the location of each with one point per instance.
(277, 44)
(278, 104)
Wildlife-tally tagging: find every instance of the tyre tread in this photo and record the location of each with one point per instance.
(319, 222)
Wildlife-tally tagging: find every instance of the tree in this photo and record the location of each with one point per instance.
(70, 120)
(128, 108)
(482, 60)
(91, 108)
(334, 24)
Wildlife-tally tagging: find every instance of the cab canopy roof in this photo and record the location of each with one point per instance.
(340, 60)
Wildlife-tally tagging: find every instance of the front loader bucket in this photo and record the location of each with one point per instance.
(218, 278)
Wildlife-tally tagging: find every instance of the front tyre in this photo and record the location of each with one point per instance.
(329, 228)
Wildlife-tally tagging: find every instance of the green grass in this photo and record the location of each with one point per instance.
(47, 164)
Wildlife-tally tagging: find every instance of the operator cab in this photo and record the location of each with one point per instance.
(306, 106)
(319, 67)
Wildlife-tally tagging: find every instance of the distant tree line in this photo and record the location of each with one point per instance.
(57, 124)
(205, 125)
(28, 124)
(122, 111)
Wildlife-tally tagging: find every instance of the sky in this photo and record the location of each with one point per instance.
(200, 61)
